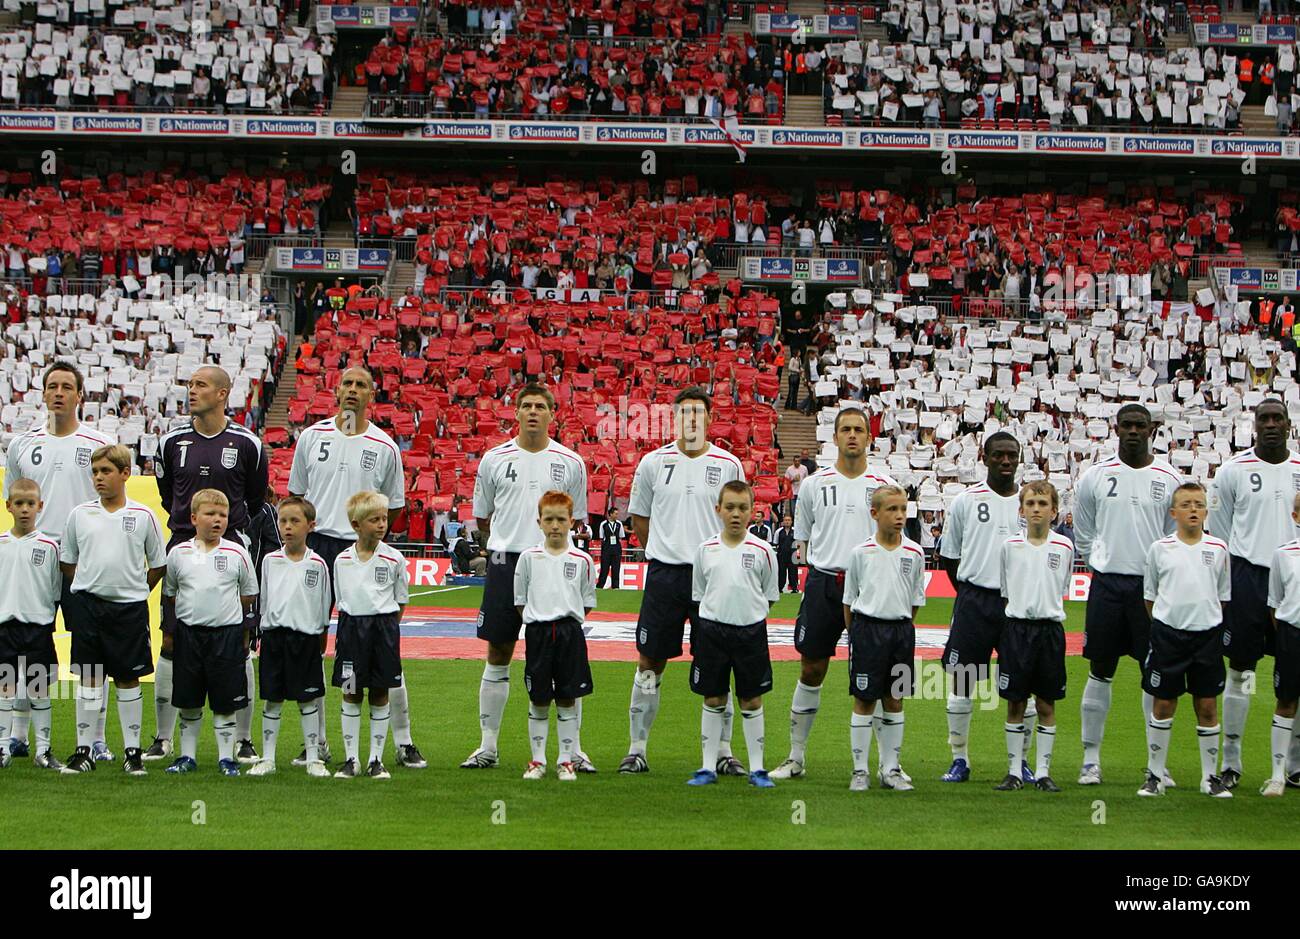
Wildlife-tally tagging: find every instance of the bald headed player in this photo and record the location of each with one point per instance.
(1121, 507)
(975, 527)
(831, 518)
(333, 460)
(1250, 501)
(56, 455)
(674, 494)
(209, 451)
(511, 478)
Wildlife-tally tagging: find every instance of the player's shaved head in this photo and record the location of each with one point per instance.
(1132, 410)
(25, 487)
(1272, 426)
(357, 370)
(214, 375)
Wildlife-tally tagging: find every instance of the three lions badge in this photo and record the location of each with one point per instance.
(311, 579)
(368, 459)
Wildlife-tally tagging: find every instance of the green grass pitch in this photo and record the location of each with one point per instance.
(446, 807)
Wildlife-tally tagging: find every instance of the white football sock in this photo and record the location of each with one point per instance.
(224, 727)
(20, 720)
(164, 711)
(889, 736)
(88, 699)
(351, 730)
(271, 729)
(752, 723)
(1148, 703)
(6, 721)
(860, 741)
(1045, 741)
(1092, 716)
(41, 720)
(101, 718)
(642, 710)
(724, 739)
(493, 693)
(310, 715)
(539, 727)
(1031, 721)
(1208, 739)
(566, 728)
(130, 712)
(1280, 739)
(1158, 734)
(710, 732)
(380, 717)
(321, 739)
(577, 727)
(400, 708)
(1015, 747)
(804, 706)
(191, 724)
(959, 713)
(1236, 707)
(244, 715)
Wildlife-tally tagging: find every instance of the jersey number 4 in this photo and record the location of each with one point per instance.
(510, 473)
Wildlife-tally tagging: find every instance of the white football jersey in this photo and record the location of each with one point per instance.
(736, 586)
(679, 494)
(60, 466)
(207, 584)
(1284, 583)
(885, 583)
(29, 569)
(511, 480)
(1035, 578)
(974, 530)
(833, 515)
(295, 594)
(1119, 511)
(370, 588)
(113, 551)
(1250, 505)
(1188, 583)
(553, 586)
(329, 467)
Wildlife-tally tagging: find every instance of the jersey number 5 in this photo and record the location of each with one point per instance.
(324, 451)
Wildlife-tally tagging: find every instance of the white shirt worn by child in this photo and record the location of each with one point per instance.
(1036, 577)
(736, 586)
(29, 571)
(113, 551)
(208, 582)
(885, 583)
(1284, 583)
(370, 588)
(555, 586)
(1187, 582)
(295, 594)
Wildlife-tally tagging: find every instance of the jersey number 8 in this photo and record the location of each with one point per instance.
(982, 512)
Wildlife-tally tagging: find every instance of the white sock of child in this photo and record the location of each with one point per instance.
(130, 713)
(539, 726)
(380, 716)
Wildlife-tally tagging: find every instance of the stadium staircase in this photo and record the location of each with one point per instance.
(278, 413)
(794, 431)
(402, 276)
(348, 102)
(805, 111)
(1255, 123)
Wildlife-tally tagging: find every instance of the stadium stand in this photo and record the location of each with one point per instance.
(232, 58)
(550, 19)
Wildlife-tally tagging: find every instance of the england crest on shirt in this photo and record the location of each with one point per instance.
(38, 556)
(128, 524)
(712, 476)
(1053, 561)
(747, 561)
(905, 565)
(1207, 558)
(557, 473)
(368, 459)
(570, 570)
(1157, 490)
(219, 563)
(1295, 481)
(229, 457)
(311, 579)
(83, 456)
(381, 575)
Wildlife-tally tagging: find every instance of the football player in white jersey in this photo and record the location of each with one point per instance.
(1121, 508)
(975, 527)
(674, 493)
(511, 478)
(1249, 509)
(333, 460)
(56, 455)
(831, 518)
